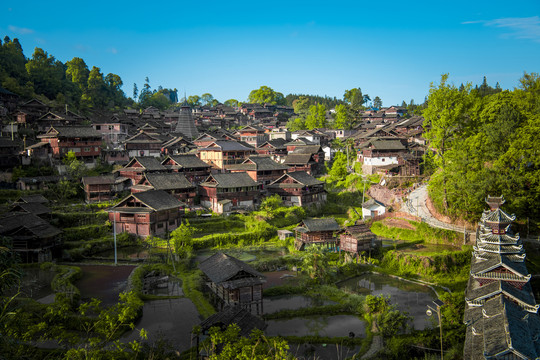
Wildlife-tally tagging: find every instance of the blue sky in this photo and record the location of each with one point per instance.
(389, 49)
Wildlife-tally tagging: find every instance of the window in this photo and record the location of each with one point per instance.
(160, 225)
(98, 127)
(86, 149)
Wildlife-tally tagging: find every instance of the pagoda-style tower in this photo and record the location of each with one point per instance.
(500, 311)
(186, 124)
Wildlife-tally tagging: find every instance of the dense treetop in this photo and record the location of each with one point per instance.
(485, 141)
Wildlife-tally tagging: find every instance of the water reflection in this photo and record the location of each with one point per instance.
(103, 282)
(331, 326)
(170, 320)
(292, 302)
(407, 296)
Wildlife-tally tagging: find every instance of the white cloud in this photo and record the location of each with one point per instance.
(113, 50)
(20, 30)
(520, 28)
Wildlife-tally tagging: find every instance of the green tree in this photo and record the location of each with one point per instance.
(271, 203)
(266, 95)
(316, 117)
(354, 98)
(46, 73)
(229, 345)
(377, 102)
(96, 95)
(231, 103)
(78, 73)
(194, 100)
(182, 238)
(301, 105)
(343, 119)
(339, 166)
(446, 115)
(296, 123)
(206, 99)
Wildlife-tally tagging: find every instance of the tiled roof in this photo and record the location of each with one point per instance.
(38, 198)
(149, 163)
(32, 208)
(168, 181)
(259, 163)
(227, 145)
(221, 267)
(301, 178)
(75, 132)
(101, 180)
(230, 180)
(325, 224)
(307, 149)
(299, 159)
(188, 161)
(32, 223)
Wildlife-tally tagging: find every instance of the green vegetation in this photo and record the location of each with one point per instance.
(484, 142)
(421, 232)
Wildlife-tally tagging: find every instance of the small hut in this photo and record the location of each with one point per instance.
(316, 232)
(233, 282)
(356, 239)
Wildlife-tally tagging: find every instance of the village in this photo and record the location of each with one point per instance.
(201, 217)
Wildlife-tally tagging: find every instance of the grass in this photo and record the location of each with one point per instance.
(192, 289)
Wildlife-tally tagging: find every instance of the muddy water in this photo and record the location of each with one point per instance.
(409, 297)
(331, 326)
(170, 320)
(104, 282)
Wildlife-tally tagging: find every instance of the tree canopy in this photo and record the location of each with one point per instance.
(266, 95)
(484, 144)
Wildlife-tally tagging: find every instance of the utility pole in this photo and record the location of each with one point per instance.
(114, 232)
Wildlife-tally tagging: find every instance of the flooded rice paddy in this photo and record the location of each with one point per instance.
(409, 297)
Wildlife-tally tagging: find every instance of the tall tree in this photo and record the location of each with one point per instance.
(343, 119)
(354, 98)
(207, 99)
(77, 72)
(97, 89)
(316, 117)
(194, 100)
(377, 102)
(135, 91)
(231, 103)
(446, 115)
(266, 95)
(46, 73)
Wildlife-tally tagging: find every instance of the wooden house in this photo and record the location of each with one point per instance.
(253, 135)
(357, 239)
(189, 165)
(39, 182)
(84, 141)
(138, 166)
(315, 151)
(233, 282)
(222, 192)
(34, 239)
(99, 188)
(276, 149)
(298, 189)
(262, 169)
(175, 184)
(143, 144)
(301, 162)
(153, 212)
(220, 154)
(35, 208)
(316, 232)
(177, 145)
(379, 153)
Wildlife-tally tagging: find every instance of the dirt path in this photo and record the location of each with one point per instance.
(376, 345)
(416, 205)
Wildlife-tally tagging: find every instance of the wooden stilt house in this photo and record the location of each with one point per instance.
(233, 282)
(316, 232)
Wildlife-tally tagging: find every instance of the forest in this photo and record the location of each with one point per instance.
(484, 141)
